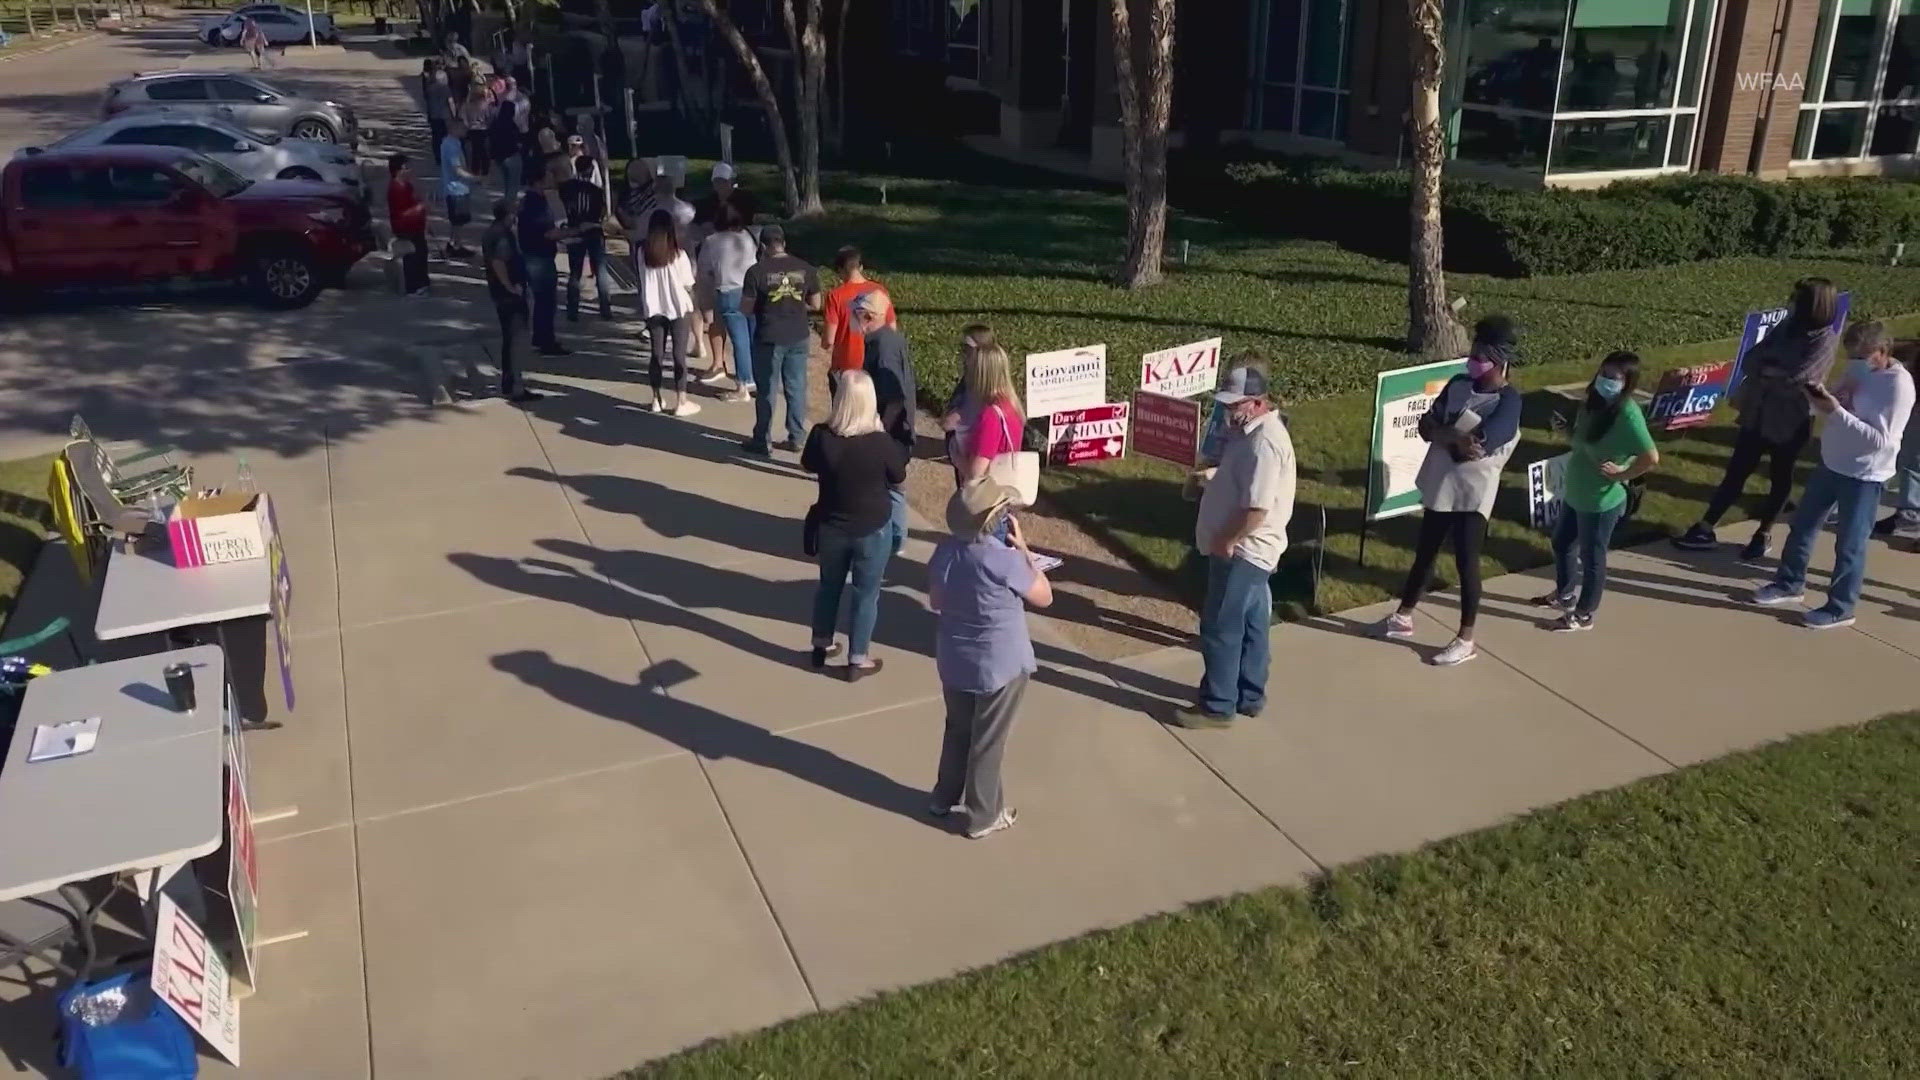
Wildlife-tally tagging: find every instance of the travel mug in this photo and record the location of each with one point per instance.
(180, 687)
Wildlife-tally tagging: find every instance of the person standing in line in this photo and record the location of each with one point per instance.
(780, 293)
(1472, 429)
(1904, 523)
(990, 425)
(666, 300)
(726, 189)
(540, 238)
(408, 217)
(503, 145)
(972, 336)
(1611, 448)
(725, 258)
(1866, 415)
(1242, 529)
(456, 186)
(577, 152)
(885, 357)
(506, 286)
(857, 463)
(476, 116)
(437, 98)
(843, 344)
(978, 587)
(586, 209)
(1776, 417)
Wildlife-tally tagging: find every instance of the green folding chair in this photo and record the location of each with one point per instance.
(134, 476)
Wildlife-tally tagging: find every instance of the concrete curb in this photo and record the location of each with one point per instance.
(22, 54)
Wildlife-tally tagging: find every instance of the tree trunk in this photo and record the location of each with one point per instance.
(1432, 331)
(1146, 111)
(809, 72)
(763, 89)
(32, 30)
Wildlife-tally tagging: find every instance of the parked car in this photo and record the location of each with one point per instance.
(122, 215)
(240, 99)
(254, 156)
(281, 24)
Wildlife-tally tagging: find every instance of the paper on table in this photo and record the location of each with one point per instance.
(66, 739)
(1044, 563)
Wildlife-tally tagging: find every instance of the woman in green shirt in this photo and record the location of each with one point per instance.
(1611, 446)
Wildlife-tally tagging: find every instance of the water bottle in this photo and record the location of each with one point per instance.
(245, 482)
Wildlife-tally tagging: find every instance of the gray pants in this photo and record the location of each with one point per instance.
(976, 736)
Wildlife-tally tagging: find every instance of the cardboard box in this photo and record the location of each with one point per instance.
(205, 530)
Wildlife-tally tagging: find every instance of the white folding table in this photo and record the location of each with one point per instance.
(150, 796)
(144, 593)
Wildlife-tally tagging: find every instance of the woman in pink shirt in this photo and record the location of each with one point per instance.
(989, 417)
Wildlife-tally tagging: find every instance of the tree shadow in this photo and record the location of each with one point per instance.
(713, 735)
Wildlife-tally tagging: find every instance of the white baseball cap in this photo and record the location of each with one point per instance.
(722, 171)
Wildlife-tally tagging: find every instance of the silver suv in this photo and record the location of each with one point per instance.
(241, 100)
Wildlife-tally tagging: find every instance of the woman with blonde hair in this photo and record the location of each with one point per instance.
(856, 462)
(989, 413)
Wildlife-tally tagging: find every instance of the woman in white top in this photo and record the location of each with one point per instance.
(725, 258)
(666, 302)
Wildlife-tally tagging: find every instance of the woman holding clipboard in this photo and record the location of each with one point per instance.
(1472, 428)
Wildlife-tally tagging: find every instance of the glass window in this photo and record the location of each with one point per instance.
(1325, 62)
(1511, 51)
(1850, 72)
(177, 90)
(233, 90)
(1518, 141)
(1283, 41)
(139, 185)
(1698, 38)
(1600, 145)
(1680, 150)
(1320, 113)
(1301, 44)
(1624, 54)
(963, 38)
(1902, 80)
(1894, 130)
(1838, 133)
(1276, 108)
(56, 187)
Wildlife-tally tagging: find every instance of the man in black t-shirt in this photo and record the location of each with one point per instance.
(725, 189)
(586, 207)
(780, 293)
(506, 285)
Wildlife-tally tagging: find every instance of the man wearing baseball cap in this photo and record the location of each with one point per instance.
(1242, 530)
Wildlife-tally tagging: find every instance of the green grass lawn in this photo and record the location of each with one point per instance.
(1751, 917)
(24, 520)
(1033, 263)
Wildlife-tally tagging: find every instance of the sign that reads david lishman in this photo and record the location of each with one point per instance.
(1077, 436)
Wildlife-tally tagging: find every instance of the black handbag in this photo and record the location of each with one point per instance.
(810, 532)
(1636, 491)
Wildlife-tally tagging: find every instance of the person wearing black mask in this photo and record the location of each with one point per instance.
(1472, 429)
(1776, 417)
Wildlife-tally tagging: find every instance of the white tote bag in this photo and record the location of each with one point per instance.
(1018, 469)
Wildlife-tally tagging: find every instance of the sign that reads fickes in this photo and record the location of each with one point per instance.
(1068, 379)
(1687, 396)
(1077, 436)
(1182, 371)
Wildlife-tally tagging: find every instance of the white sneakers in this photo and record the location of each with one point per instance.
(1005, 821)
(687, 407)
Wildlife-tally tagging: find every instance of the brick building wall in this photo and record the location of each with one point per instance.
(1752, 102)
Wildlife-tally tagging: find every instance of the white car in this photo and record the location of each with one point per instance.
(254, 156)
(282, 25)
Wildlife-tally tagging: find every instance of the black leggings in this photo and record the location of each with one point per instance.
(662, 331)
(510, 316)
(1749, 446)
(1467, 529)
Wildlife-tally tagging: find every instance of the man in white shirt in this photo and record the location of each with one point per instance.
(1866, 415)
(1242, 529)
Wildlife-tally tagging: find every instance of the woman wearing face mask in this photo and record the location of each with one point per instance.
(1472, 427)
(1611, 446)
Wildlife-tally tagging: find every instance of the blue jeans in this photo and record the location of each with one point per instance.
(509, 176)
(592, 251)
(897, 520)
(789, 363)
(1907, 479)
(1580, 539)
(1234, 626)
(726, 304)
(864, 559)
(1858, 500)
(542, 279)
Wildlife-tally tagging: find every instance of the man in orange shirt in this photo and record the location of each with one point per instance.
(847, 344)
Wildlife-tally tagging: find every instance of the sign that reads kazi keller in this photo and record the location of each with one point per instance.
(1182, 371)
(1067, 379)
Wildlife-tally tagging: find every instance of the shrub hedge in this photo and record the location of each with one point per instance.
(1628, 225)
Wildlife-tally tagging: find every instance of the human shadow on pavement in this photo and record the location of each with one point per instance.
(713, 735)
(674, 512)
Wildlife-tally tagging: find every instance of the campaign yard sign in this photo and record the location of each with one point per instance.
(1760, 323)
(1546, 481)
(1400, 398)
(1182, 371)
(191, 977)
(1077, 436)
(1687, 396)
(1165, 427)
(1065, 380)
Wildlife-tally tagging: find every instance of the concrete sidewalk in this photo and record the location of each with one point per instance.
(568, 797)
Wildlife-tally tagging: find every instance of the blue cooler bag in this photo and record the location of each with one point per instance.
(142, 1039)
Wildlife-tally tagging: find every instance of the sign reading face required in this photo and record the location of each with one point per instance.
(1400, 398)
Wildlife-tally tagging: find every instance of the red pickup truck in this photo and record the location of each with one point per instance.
(123, 215)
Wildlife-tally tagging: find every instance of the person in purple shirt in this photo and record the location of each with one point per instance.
(979, 585)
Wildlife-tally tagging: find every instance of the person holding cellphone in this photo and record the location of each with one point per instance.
(1866, 415)
(1472, 428)
(1611, 448)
